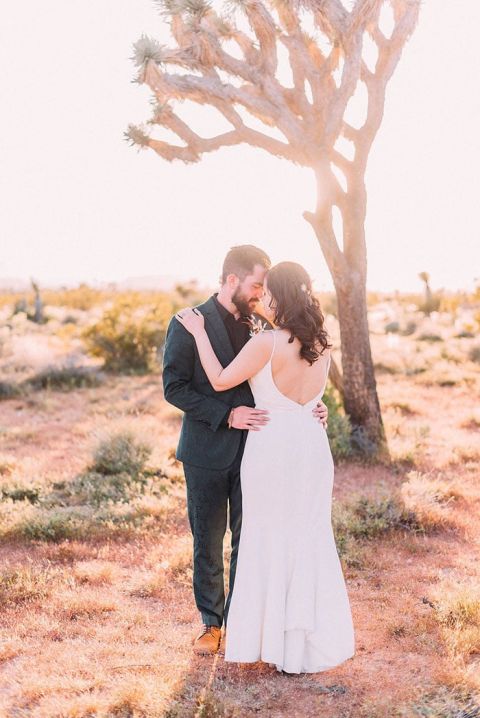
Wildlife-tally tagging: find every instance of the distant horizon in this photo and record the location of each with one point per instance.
(168, 282)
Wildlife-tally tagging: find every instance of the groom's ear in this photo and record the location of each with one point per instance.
(232, 281)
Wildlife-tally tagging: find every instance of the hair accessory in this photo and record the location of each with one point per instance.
(308, 292)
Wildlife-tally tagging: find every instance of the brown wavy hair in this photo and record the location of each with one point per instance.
(297, 309)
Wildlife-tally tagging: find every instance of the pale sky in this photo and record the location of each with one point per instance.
(80, 204)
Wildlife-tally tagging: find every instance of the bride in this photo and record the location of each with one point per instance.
(289, 605)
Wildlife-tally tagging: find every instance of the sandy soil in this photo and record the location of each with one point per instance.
(111, 633)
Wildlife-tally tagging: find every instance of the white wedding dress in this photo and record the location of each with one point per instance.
(289, 604)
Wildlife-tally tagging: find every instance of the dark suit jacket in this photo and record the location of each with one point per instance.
(205, 439)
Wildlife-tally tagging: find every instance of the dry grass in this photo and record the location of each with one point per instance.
(472, 423)
(97, 610)
(431, 499)
(24, 584)
(95, 573)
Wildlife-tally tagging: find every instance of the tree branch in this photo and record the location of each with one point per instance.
(210, 90)
(339, 101)
(330, 17)
(197, 145)
(264, 28)
(389, 55)
(342, 162)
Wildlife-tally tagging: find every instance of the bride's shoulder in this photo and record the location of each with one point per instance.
(262, 341)
(263, 337)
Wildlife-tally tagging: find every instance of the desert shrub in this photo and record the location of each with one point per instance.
(447, 382)
(364, 519)
(85, 298)
(128, 337)
(345, 441)
(65, 378)
(94, 489)
(392, 328)
(21, 493)
(82, 297)
(77, 510)
(383, 368)
(362, 445)
(9, 390)
(450, 357)
(67, 523)
(415, 370)
(53, 525)
(429, 338)
(428, 307)
(339, 429)
(474, 354)
(409, 329)
(367, 518)
(443, 703)
(120, 453)
(20, 306)
(62, 523)
(117, 473)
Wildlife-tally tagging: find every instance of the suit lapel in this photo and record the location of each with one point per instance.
(217, 332)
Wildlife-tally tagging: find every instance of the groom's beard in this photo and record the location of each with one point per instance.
(244, 305)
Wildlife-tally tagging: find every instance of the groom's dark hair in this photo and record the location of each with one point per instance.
(242, 259)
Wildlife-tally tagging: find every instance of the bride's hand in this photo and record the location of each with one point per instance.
(191, 319)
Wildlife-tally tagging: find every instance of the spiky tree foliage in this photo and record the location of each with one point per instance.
(328, 64)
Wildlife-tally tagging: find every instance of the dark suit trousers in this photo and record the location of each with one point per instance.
(209, 493)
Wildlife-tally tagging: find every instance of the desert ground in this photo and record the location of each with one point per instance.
(97, 610)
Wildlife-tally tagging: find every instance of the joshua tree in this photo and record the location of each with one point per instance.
(38, 315)
(230, 62)
(431, 303)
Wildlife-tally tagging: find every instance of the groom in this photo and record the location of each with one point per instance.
(214, 429)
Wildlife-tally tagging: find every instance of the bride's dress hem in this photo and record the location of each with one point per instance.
(273, 664)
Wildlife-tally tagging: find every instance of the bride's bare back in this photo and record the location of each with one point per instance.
(294, 377)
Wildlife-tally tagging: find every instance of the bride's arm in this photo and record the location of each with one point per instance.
(248, 362)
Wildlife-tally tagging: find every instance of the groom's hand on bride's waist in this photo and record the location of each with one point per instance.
(245, 417)
(320, 412)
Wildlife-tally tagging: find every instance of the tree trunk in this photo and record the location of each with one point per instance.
(349, 271)
(359, 385)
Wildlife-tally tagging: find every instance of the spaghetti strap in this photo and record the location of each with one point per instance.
(273, 345)
(327, 372)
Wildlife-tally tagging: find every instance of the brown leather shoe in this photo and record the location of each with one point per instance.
(207, 640)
